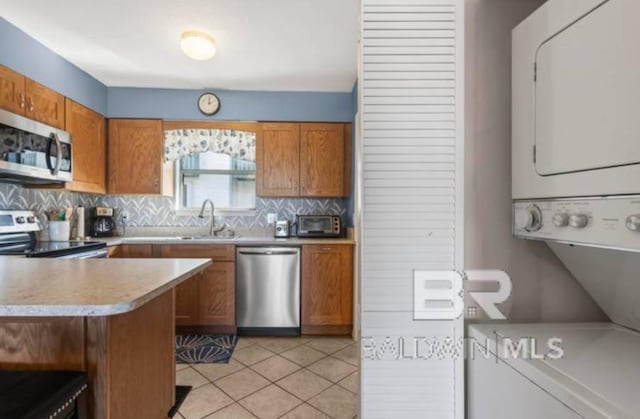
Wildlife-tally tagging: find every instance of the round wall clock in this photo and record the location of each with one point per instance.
(209, 104)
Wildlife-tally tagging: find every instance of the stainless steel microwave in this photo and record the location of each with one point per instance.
(319, 226)
(33, 153)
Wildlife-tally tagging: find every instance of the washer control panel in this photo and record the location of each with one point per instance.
(608, 222)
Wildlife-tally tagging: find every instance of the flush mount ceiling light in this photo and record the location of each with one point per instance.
(197, 45)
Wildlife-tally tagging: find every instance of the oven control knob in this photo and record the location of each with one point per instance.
(578, 220)
(20, 220)
(529, 219)
(633, 222)
(560, 219)
(31, 220)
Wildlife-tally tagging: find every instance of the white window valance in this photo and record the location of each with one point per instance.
(179, 143)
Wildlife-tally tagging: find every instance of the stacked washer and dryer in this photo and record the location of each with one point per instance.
(576, 186)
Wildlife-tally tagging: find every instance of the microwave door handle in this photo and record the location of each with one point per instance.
(48, 157)
(59, 154)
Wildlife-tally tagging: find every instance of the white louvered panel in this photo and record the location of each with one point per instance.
(410, 128)
(407, 388)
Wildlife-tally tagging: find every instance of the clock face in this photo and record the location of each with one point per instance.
(209, 104)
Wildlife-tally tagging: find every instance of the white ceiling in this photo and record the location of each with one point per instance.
(308, 45)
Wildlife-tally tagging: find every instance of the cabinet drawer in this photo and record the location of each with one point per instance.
(137, 251)
(216, 252)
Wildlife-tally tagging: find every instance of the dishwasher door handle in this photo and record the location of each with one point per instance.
(269, 252)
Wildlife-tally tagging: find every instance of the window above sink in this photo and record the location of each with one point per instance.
(229, 182)
(215, 161)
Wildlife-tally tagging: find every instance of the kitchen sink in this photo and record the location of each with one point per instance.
(196, 238)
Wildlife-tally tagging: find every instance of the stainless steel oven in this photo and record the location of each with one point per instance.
(18, 230)
(33, 153)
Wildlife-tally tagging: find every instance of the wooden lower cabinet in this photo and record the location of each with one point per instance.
(186, 302)
(327, 289)
(206, 301)
(217, 295)
(136, 251)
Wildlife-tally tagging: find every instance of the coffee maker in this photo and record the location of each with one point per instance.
(103, 223)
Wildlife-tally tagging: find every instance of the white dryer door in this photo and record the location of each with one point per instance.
(587, 92)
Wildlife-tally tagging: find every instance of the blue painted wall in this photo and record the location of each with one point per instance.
(350, 203)
(236, 105)
(23, 54)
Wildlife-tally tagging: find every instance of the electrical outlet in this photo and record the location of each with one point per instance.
(272, 217)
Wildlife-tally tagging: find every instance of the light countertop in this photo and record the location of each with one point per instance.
(37, 287)
(239, 241)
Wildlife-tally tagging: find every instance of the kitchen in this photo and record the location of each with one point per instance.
(251, 198)
(305, 209)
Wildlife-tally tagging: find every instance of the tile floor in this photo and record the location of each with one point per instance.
(270, 378)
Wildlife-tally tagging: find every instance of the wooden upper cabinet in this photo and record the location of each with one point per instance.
(44, 105)
(88, 135)
(278, 160)
(322, 160)
(12, 93)
(216, 295)
(135, 156)
(327, 285)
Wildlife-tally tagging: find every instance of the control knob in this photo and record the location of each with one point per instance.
(633, 222)
(31, 220)
(529, 219)
(20, 220)
(560, 219)
(578, 220)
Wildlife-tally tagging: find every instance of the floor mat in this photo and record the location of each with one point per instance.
(204, 349)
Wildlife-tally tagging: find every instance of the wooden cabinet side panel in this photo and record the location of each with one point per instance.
(88, 134)
(278, 160)
(12, 93)
(141, 344)
(46, 343)
(44, 105)
(135, 157)
(348, 160)
(322, 160)
(216, 295)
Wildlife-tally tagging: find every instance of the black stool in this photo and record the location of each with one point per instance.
(43, 395)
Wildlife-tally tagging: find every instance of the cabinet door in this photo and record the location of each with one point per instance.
(327, 285)
(217, 295)
(44, 105)
(186, 302)
(135, 156)
(278, 160)
(12, 94)
(88, 133)
(322, 160)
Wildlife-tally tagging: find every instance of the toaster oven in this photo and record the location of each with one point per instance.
(319, 226)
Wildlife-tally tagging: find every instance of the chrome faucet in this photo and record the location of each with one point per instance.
(212, 227)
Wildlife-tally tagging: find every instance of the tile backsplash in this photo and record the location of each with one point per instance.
(147, 211)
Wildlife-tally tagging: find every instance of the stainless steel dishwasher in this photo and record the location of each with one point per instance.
(268, 291)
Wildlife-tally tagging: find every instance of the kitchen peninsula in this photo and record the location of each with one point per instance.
(112, 318)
